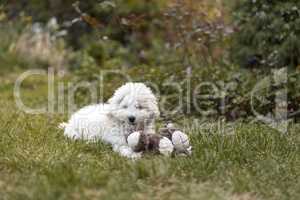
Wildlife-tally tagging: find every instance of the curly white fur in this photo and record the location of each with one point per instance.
(132, 107)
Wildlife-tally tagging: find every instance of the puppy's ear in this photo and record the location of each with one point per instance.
(116, 99)
(156, 110)
(152, 105)
(120, 94)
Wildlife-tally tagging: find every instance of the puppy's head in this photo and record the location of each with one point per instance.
(134, 104)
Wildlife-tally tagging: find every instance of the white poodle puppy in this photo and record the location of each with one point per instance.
(132, 107)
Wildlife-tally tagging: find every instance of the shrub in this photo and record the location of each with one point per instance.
(10, 60)
(268, 33)
(179, 96)
(32, 45)
(197, 30)
(144, 31)
(42, 47)
(118, 19)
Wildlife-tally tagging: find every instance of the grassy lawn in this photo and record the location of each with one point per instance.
(37, 162)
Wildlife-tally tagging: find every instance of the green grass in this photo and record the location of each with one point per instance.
(37, 162)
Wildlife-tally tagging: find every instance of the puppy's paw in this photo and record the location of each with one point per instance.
(135, 156)
(62, 125)
(133, 139)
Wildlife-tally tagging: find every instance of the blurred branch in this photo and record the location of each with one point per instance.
(87, 18)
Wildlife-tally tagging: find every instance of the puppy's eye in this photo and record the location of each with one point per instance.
(139, 107)
(124, 106)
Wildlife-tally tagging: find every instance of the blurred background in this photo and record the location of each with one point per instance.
(233, 44)
(227, 72)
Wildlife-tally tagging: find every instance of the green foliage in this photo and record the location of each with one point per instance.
(161, 65)
(23, 48)
(230, 92)
(268, 33)
(142, 31)
(97, 52)
(10, 60)
(198, 31)
(121, 20)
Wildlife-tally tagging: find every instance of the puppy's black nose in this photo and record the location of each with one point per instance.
(131, 119)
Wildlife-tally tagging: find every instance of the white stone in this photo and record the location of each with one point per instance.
(165, 146)
(180, 141)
